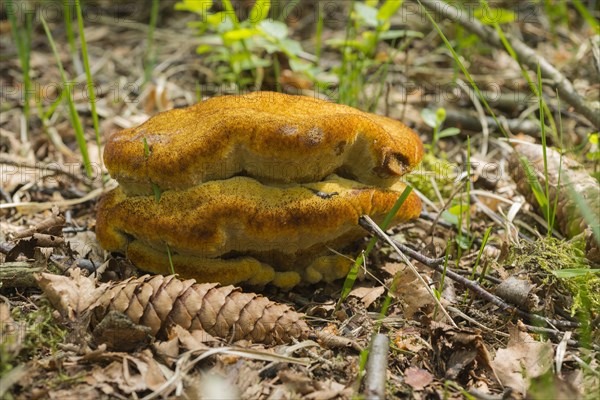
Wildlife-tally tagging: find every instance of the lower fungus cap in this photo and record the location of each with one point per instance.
(240, 230)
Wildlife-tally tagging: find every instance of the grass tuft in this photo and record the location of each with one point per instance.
(22, 38)
(79, 134)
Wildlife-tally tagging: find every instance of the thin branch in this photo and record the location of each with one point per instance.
(381, 234)
(526, 55)
(469, 121)
(437, 265)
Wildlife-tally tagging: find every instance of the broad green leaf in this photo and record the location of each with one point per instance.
(491, 16)
(388, 9)
(395, 34)
(268, 44)
(429, 117)
(200, 7)
(574, 272)
(291, 47)
(259, 12)
(204, 48)
(463, 242)
(367, 14)
(448, 132)
(275, 29)
(593, 156)
(201, 26)
(368, 37)
(217, 19)
(458, 209)
(238, 34)
(298, 65)
(449, 217)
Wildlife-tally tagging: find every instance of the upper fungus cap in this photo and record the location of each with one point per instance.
(272, 137)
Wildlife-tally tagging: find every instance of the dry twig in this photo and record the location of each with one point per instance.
(437, 265)
(377, 367)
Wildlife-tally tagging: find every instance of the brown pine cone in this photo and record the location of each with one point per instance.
(160, 302)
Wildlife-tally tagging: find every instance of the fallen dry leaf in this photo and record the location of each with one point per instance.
(410, 339)
(460, 351)
(367, 295)
(412, 293)
(522, 360)
(130, 373)
(71, 295)
(417, 378)
(191, 340)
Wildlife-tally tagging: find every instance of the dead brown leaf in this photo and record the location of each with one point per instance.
(460, 352)
(71, 295)
(367, 295)
(191, 340)
(412, 293)
(410, 339)
(417, 378)
(522, 360)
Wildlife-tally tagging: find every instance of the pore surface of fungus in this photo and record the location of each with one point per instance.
(255, 188)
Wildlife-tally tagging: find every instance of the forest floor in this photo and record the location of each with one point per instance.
(527, 327)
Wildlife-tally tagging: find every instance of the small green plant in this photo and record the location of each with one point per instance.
(469, 43)
(241, 50)
(593, 154)
(366, 28)
(464, 69)
(435, 120)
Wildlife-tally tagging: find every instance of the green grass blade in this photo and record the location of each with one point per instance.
(587, 213)
(88, 76)
(468, 186)
(484, 241)
(69, 27)
(547, 213)
(319, 32)
(171, 267)
(23, 49)
(353, 273)
(589, 18)
(464, 70)
(149, 56)
(79, 134)
(534, 183)
(532, 85)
